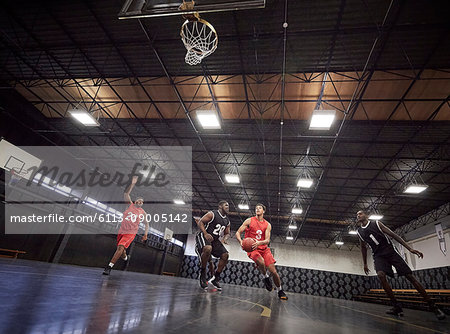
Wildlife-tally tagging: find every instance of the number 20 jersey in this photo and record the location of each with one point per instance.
(257, 230)
(217, 225)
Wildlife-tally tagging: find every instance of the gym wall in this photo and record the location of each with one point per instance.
(330, 259)
(327, 272)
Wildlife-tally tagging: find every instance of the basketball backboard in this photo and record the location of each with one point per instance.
(17, 161)
(154, 8)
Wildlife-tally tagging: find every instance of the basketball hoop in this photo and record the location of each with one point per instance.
(199, 36)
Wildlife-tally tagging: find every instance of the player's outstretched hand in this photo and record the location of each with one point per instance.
(134, 180)
(255, 245)
(416, 252)
(209, 237)
(366, 270)
(144, 237)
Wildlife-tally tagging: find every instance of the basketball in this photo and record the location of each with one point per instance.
(247, 244)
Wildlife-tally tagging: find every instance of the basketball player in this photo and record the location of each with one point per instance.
(207, 242)
(129, 226)
(377, 236)
(258, 228)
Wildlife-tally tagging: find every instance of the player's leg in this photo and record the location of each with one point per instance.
(206, 255)
(219, 251)
(120, 249)
(438, 312)
(397, 309)
(269, 261)
(216, 277)
(386, 286)
(276, 277)
(123, 242)
(277, 281)
(383, 267)
(211, 267)
(260, 264)
(203, 249)
(124, 255)
(223, 260)
(118, 254)
(259, 260)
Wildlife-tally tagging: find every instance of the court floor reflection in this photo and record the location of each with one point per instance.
(52, 298)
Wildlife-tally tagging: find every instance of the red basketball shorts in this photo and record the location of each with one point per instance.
(266, 255)
(125, 239)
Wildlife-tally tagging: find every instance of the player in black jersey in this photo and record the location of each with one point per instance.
(212, 225)
(377, 236)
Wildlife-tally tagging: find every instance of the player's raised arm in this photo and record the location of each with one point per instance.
(241, 229)
(395, 236)
(126, 194)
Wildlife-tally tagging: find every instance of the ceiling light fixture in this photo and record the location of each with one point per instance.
(208, 119)
(232, 178)
(415, 188)
(84, 117)
(305, 183)
(322, 119)
(296, 210)
(243, 206)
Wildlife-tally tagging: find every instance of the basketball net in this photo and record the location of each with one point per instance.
(199, 36)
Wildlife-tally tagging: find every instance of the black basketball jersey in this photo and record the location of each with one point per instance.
(379, 242)
(217, 225)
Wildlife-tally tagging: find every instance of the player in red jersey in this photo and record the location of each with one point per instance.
(259, 229)
(129, 227)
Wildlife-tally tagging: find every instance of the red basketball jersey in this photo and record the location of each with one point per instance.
(131, 219)
(257, 230)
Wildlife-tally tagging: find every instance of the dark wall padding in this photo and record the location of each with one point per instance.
(96, 251)
(308, 281)
(93, 250)
(433, 278)
(39, 247)
(314, 282)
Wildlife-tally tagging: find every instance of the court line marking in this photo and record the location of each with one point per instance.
(266, 311)
(190, 322)
(395, 320)
(298, 308)
(53, 275)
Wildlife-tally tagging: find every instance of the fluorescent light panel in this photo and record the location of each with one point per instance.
(208, 119)
(84, 117)
(292, 227)
(289, 237)
(340, 243)
(305, 183)
(415, 188)
(375, 217)
(232, 178)
(243, 206)
(322, 119)
(297, 210)
(353, 232)
(179, 201)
